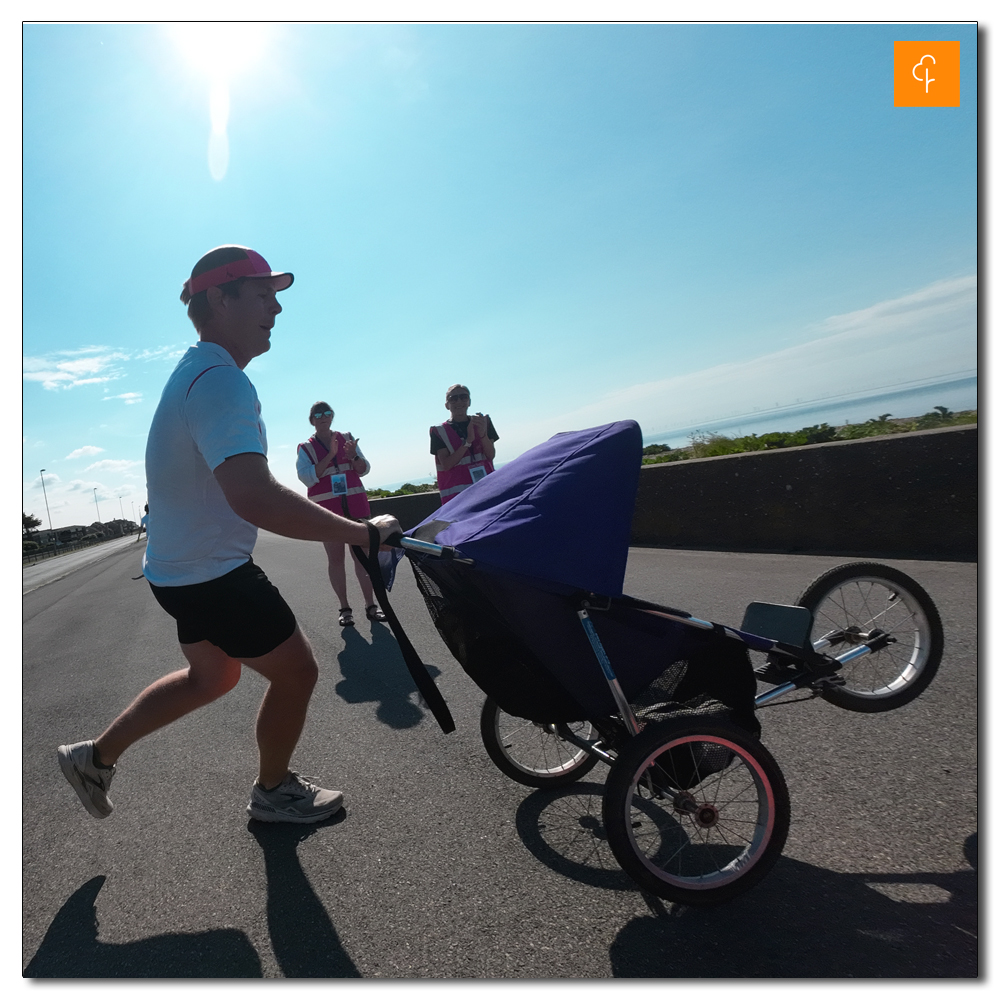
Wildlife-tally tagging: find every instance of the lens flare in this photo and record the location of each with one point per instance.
(220, 52)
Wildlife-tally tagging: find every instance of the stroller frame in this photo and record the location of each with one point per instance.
(695, 808)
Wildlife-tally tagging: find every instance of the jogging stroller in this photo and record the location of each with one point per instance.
(522, 574)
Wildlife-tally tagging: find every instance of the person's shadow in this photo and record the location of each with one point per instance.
(303, 937)
(377, 672)
(70, 949)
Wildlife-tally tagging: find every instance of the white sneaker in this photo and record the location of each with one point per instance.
(295, 800)
(89, 781)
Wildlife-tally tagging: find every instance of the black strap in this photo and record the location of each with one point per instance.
(420, 674)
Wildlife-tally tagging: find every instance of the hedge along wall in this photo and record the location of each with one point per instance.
(902, 496)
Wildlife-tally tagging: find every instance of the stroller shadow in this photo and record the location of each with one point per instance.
(303, 937)
(70, 949)
(377, 673)
(802, 921)
(563, 828)
(808, 922)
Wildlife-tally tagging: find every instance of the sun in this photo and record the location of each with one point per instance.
(220, 51)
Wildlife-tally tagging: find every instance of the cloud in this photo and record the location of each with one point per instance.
(87, 449)
(90, 366)
(66, 369)
(167, 353)
(129, 397)
(926, 335)
(112, 465)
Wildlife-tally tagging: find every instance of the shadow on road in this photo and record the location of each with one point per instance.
(70, 949)
(564, 830)
(377, 672)
(303, 937)
(800, 922)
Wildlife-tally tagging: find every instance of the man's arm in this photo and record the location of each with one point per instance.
(480, 426)
(257, 497)
(489, 448)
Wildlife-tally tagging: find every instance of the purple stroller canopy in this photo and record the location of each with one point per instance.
(561, 512)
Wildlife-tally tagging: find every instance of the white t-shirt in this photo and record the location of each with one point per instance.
(208, 412)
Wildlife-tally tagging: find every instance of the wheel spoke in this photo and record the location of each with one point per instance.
(683, 847)
(860, 597)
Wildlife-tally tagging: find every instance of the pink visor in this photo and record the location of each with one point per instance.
(252, 266)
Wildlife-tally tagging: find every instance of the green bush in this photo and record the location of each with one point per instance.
(405, 490)
(668, 456)
(708, 445)
(29, 547)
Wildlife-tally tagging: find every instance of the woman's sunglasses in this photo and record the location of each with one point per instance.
(458, 397)
(322, 413)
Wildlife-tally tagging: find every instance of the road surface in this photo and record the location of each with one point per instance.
(443, 867)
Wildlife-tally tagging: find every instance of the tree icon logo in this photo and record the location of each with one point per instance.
(926, 74)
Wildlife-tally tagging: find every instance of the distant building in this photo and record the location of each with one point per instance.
(114, 529)
(76, 532)
(73, 533)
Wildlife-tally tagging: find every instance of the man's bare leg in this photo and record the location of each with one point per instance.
(290, 668)
(292, 671)
(209, 675)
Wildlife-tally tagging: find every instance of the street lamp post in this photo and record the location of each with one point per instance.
(44, 494)
(98, 506)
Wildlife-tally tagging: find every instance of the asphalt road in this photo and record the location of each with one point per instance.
(443, 867)
(56, 567)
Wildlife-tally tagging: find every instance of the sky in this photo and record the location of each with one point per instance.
(690, 225)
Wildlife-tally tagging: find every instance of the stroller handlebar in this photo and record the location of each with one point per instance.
(428, 548)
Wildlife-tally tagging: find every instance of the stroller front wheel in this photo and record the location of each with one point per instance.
(695, 813)
(853, 599)
(530, 753)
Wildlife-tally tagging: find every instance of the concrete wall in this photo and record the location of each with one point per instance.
(409, 510)
(902, 496)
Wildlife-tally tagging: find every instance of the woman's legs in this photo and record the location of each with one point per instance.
(365, 580)
(338, 575)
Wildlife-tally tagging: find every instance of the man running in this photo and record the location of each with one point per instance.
(143, 523)
(209, 483)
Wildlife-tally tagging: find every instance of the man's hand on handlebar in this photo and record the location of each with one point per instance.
(387, 526)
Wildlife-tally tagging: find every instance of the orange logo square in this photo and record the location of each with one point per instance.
(925, 74)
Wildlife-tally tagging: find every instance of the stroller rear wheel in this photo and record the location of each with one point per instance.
(695, 813)
(531, 753)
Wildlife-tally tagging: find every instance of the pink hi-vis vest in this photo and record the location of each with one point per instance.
(470, 469)
(341, 495)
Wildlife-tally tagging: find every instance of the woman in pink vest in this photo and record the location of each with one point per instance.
(331, 465)
(463, 446)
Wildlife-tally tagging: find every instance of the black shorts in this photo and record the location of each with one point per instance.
(242, 612)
